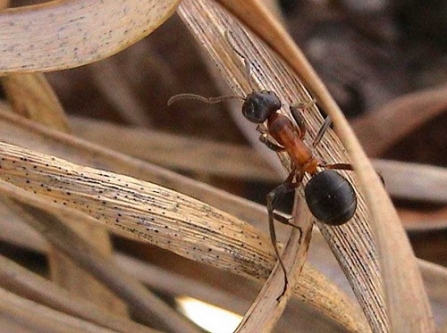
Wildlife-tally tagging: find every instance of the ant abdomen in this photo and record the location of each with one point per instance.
(330, 198)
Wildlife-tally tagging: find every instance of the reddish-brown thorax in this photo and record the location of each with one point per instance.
(287, 135)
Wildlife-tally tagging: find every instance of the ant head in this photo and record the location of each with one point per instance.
(259, 105)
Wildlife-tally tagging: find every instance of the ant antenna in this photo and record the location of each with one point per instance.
(214, 100)
(208, 100)
(247, 63)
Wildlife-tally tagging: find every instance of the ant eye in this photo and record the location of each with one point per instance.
(258, 106)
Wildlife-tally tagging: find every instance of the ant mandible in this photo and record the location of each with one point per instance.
(330, 197)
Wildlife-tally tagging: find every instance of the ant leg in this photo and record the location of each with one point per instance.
(295, 110)
(284, 219)
(272, 200)
(270, 145)
(323, 129)
(339, 166)
(348, 167)
(299, 120)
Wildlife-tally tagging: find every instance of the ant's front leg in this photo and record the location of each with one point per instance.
(264, 138)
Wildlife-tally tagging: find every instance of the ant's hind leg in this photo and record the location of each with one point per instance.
(338, 166)
(348, 167)
(284, 219)
(275, 196)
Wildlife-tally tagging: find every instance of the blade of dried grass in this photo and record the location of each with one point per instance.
(19, 280)
(356, 253)
(111, 83)
(394, 120)
(66, 34)
(402, 279)
(47, 217)
(403, 283)
(169, 220)
(31, 95)
(266, 310)
(24, 133)
(39, 318)
(435, 278)
(414, 181)
(176, 151)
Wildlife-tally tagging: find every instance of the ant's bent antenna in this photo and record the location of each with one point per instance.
(208, 100)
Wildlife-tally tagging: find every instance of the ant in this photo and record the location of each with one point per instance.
(330, 197)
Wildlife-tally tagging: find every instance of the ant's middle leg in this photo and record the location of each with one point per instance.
(273, 198)
(295, 110)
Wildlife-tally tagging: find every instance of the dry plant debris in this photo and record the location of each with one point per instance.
(87, 200)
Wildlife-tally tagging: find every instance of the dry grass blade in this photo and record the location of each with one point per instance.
(25, 314)
(266, 310)
(50, 219)
(31, 96)
(435, 279)
(414, 181)
(16, 279)
(397, 118)
(66, 34)
(175, 151)
(402, 280)
(169, 220)
(111, 83)
(352, 243)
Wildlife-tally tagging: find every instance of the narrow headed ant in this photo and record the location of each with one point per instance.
(330, 197)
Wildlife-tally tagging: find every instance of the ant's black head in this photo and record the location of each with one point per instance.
(330, 198)
(260, 105)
